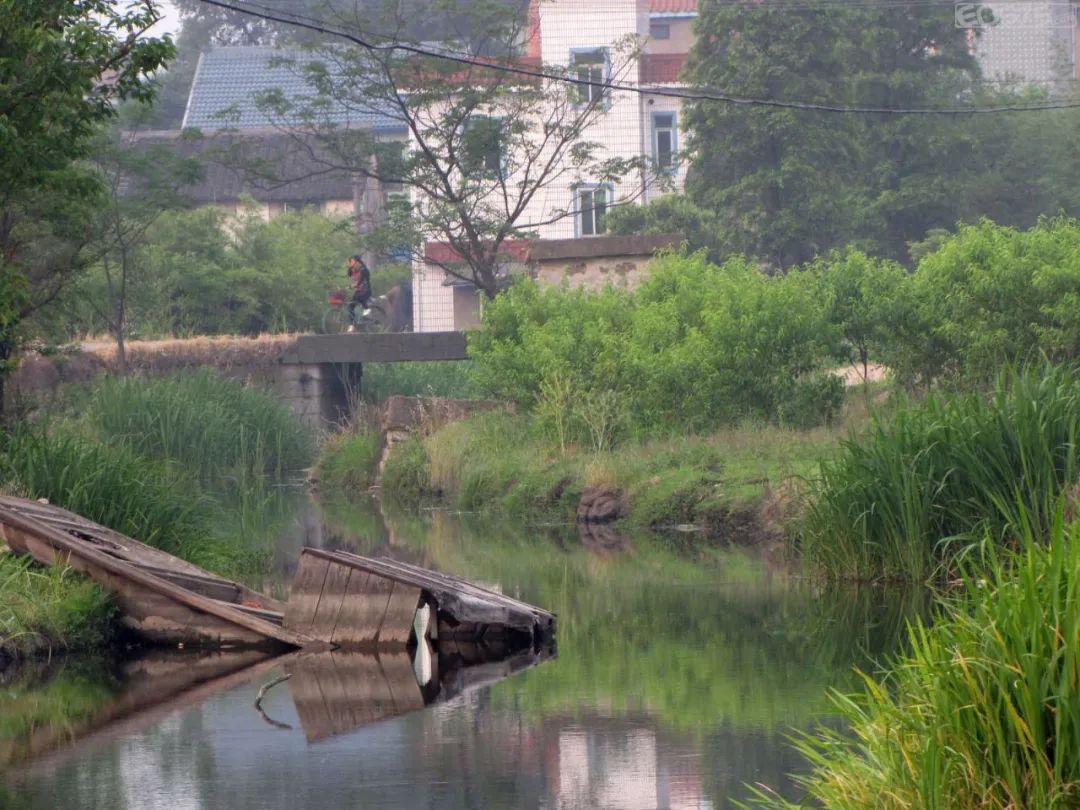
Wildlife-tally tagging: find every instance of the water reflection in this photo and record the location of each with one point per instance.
(681, 671)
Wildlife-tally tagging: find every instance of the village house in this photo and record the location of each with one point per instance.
(635, 122)
(225, 122)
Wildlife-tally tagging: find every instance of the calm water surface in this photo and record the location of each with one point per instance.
(678, 675)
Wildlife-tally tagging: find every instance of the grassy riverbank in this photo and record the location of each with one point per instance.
(732, 484)
(182, 464)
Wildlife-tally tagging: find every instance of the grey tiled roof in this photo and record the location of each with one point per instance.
(229, 79)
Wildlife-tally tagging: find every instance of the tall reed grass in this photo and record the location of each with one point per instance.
(210, 425)
(945, 479)
(985, 710)
(107, 484)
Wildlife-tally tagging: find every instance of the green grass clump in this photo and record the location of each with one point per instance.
(946, 478)
(985, 710)
(405, 477)
(210, 425)
(109, 485)
(445, 379)
(349, 462)
(49, 609)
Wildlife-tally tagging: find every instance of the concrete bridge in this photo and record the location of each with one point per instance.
(318, 377)
(321, 376)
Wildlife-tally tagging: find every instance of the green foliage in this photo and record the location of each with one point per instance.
(212, 426)
(787, 185)
(694, 347)
(48, 609)
(201, 272)
(53, 101)
(866, 303)
(672, 214)
(349, 463)
(984, 712)
(442, 379)
(107, 484)
(991, 295)
(939, 480)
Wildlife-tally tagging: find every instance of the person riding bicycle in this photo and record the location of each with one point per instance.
(360, 281)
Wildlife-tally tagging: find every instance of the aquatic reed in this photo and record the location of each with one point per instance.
(211, 425)
(946, 479)
(107, 484)
(985, 710)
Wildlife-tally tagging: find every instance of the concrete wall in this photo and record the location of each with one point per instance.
(595, 273)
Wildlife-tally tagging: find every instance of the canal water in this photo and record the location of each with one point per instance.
(680, 673)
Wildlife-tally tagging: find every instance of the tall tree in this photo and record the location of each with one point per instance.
(788, 184)
(140, 184)
(63, 64)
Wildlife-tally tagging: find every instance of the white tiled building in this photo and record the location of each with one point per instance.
(584, 36)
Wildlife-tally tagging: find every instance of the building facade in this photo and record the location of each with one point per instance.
(588, 39)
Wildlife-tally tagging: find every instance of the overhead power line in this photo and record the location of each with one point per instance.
(363, 39)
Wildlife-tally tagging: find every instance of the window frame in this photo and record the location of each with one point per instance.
(483, 170)
(674, 130)
(605, 76)
(655, 25)
(580, 209)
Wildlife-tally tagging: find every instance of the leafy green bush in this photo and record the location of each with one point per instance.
(984, 712)
(694, 347)
(991, 295)
(942, 478)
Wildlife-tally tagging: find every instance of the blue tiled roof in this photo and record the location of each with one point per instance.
(228, 81)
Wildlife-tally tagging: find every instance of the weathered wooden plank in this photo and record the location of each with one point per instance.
(466, 602)
(326, 616)
(400, 614)
(305, 594)
(360, 622)
(353, 614)
(385, 347)
(187, 616)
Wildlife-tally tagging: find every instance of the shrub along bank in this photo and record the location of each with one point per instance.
(118, 462)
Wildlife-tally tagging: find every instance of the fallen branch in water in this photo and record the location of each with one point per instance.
(262, 693)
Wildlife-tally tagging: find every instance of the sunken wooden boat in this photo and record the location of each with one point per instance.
(163, 599)
(354, 602)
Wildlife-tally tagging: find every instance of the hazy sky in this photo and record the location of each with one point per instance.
(171, 22)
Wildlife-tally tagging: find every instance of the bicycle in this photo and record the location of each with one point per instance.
(336, 318)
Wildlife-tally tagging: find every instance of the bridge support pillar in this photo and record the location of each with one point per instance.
(322, 395)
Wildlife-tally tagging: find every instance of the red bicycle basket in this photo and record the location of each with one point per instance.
(337, 298)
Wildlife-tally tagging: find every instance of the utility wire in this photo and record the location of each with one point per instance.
(324, 27)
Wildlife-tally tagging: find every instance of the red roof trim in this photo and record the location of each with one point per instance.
(673, 6)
